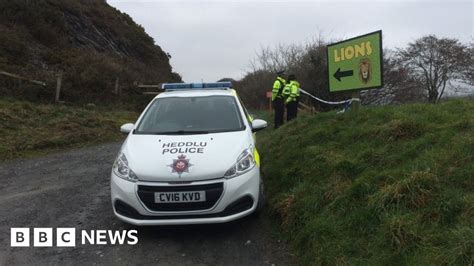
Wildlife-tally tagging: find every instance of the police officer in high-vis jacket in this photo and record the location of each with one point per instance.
(291, 93)
(277, 99)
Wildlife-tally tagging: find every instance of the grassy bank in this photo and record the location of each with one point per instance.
(28, 129)
(388, 185)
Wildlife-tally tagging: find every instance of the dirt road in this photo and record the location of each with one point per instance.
(71, 189)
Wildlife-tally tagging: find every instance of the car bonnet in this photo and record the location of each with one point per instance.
(184, 157)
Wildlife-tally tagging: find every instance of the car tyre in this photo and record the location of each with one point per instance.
(261, 202)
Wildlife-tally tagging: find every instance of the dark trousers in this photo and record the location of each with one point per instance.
(291, 110)
(279, 107)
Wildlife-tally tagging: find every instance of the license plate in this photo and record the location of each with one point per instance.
(180, 197)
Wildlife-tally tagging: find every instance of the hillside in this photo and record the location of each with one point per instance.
(92, 42)
(33, 129)
(388, 185)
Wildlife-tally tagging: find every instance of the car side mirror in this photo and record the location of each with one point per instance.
(126, 128)
(258, 124)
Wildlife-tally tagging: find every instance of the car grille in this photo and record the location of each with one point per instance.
(213, 193)
(240, 205)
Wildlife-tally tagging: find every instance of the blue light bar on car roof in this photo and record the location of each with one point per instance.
(178, 86)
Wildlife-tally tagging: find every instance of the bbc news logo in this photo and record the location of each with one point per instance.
(66, 237)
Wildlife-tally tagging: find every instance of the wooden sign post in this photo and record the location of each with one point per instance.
(269, 97)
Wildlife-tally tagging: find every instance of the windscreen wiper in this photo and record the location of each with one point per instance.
(181, 132)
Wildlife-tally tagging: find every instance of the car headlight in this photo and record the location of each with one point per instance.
(245, 162)
(122, 170)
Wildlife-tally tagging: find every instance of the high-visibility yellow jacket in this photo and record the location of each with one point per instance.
(291, 91)
(278, 86)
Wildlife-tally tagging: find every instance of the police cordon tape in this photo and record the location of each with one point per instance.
(328, 102)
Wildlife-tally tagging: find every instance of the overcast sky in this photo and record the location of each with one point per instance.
(209, 40)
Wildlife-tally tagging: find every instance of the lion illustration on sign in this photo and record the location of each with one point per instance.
(365, 70)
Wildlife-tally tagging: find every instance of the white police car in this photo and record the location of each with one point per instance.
(190, 158)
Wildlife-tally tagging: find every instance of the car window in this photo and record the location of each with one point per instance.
(247, 114)
(181, 115)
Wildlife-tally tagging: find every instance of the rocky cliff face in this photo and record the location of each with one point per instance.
(92, 42)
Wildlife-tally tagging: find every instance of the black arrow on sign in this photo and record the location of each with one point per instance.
(341, 74)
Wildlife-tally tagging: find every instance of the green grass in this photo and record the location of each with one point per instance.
(388, 185)
(29, 129)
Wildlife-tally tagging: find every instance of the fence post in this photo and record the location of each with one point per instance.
(59, 79)
(356, 104)
(117, 86)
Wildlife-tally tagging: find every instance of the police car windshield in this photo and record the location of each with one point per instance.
(191, 115)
